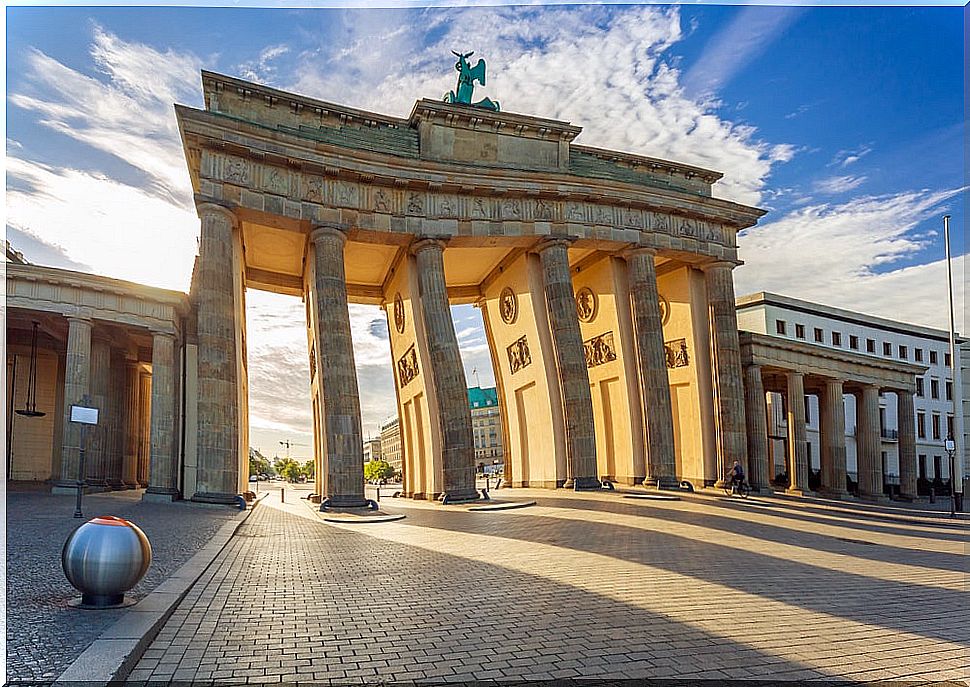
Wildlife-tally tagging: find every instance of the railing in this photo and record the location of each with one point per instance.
(889, 433)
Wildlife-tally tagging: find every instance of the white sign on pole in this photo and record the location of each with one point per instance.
(85, 416)
(950, 445)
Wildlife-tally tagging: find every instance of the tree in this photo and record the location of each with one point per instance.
(378, 469)
(288, 468)
(309, 469)
(258, 464)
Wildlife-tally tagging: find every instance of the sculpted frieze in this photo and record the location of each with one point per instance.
(330, 190)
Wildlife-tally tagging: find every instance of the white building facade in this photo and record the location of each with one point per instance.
(941, 403)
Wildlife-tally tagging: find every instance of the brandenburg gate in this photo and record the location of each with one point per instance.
(604, 280)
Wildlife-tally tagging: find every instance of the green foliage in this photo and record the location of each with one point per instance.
(259, 464)
(378, 469)
(309, 469)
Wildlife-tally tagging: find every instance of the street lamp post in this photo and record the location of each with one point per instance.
(956, 475)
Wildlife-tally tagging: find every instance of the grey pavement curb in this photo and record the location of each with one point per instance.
(113, 655)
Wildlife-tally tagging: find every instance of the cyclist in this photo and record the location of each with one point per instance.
(736, 476)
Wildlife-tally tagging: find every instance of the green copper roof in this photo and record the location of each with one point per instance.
(482, 398)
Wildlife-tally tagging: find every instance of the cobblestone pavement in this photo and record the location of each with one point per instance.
(580, 585)
(44, 635)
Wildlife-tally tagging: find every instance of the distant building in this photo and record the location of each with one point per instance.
(486, 426)
(391, 443)
(372, 450)
(936, 395)
(13, 255)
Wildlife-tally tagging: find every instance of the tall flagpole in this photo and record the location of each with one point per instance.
(956, 458)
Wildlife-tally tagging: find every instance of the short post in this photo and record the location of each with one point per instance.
(379, 490)
(283, 494)
(486, 481)
(83, 415)
(950, 446)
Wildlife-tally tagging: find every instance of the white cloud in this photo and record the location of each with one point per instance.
(605, 69)
(843, 255)
(734, 47)
(262, 68)
(117, 230)
(844, 158)
(839, 184)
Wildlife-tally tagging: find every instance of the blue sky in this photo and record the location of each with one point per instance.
(845, 123)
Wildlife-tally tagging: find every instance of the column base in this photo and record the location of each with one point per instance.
(115, 484)
(667, 483)
(873, 498)
(160, 495)
(799, 492)
(346, 503)
(216, 498)
(65, 488)
(838, 494)
(583, 484)
(131, 485)
(462, 496)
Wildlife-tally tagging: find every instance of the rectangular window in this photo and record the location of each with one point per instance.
(919, 387)
(918, 357)
(836, 338)
(921, 424)
(936, 426)
(934, 388)
(933, 358)
(949, 426)
(853, 342)
(808, 412)
(938, 466)
(780, 326)
(887, 348)
(870, 345)
(819, 335)
(903, 352)
(800, 331)
(948, 385)
(946, 359)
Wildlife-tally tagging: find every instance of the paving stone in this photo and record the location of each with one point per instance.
(580, 585)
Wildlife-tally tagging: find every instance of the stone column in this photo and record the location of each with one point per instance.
(447, 373)
(567, 341)
(726, 355)
(144, 427)
(163, 469)
(115, 445)
(343, 446)
(99, 436)
(832, 438)
(218, 408)
(77, 384)
(652, 360)
(797, 438)
(869, 443)
(755, 415)
(131, 419)
(906, 419)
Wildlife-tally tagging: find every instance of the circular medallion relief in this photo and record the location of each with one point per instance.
(508, 305)
(664, 310)
(399, 314)
(586, 304)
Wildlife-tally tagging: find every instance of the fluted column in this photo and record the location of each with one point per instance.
(77, 384)
(567, 341)
(218, 407)
(115, 444)
(726, 354)
(343, 452)
(132, 398)
(755, 415)
(652, 360)
(447, 373)
(868, 443)
(906, 419)
(797, 437)
(832, 437)
(99, 436)
(144, 427)
(162, 470)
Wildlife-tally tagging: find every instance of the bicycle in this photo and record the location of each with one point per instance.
(741, 488)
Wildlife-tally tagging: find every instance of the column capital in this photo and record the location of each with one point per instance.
(209, 208)
(634, 251)
(718, 264)
(163, 334)
(425, 242)
(330, 230)
(80, 319)
(551, 241)
(792, 374)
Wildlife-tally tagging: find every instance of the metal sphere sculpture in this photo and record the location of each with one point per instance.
(104, 558)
